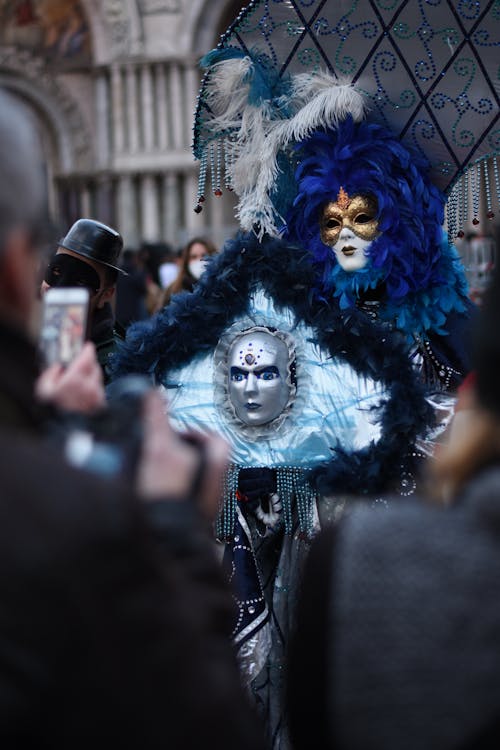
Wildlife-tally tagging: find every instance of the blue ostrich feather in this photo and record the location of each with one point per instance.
(263, 78)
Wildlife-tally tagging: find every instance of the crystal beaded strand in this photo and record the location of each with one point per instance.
(496, 176)
(284, 484)
(211, 152)
(202, 178)
(218, 167)
(228, 162)
(304, 501)
(475, 185)
(451, 214)
(465, 180)
(227, 511)
(487, 188)
(460, 206)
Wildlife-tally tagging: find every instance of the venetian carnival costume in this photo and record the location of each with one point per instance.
(350, 415)
(345, 422)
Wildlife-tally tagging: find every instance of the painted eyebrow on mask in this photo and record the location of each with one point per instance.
(258, 372)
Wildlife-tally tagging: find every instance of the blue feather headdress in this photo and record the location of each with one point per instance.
(422, 275)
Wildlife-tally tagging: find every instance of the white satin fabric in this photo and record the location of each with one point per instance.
(333, 405)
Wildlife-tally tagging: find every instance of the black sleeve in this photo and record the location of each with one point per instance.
(159, 670)
(308, 658)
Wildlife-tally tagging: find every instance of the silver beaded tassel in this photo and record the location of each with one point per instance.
(477, 183)
(296, 495)
(224, 525)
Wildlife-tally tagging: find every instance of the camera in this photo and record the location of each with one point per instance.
(109, 442)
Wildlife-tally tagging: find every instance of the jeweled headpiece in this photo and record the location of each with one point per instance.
(343, 199)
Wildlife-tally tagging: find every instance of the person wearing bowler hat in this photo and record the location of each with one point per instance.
(88, 257)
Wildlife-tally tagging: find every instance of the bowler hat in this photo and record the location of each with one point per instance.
(95, 241)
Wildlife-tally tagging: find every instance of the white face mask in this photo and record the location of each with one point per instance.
(351, 251)
(258, 367)
(196, 267)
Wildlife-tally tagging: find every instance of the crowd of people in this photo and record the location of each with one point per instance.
(117, 621)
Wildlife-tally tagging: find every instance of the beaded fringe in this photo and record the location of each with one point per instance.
(217, 160)
(476, 182)
(297, 497)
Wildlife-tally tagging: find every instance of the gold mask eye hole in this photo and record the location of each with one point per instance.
(363, 219)
(332, 224)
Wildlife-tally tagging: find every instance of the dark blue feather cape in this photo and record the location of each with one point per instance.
(194, 321)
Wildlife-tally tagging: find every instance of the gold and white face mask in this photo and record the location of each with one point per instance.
(349, 226)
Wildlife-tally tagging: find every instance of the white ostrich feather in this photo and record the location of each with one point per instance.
(259, 133)
(227, 92)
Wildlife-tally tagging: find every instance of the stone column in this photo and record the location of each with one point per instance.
(85, 202)
(147, 107)
(132, 110)
(192, 82)
(162, 122)
(171, 211)
(104, 201)
(150, 228)
(176, 109)
(127, 211)
(118, 113)
(216, 229)
(103, 120)
(194, 223)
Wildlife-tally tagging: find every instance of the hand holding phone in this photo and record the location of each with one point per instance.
(64, 324)
(78, 387)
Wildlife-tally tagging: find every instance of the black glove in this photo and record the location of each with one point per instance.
(255, 484)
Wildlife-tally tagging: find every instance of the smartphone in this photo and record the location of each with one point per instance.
(64, 324)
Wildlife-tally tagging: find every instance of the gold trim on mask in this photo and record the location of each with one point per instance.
(359, 215)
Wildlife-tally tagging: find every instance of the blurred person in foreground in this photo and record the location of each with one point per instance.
(192, 263)
(114, 621)
(398, 642)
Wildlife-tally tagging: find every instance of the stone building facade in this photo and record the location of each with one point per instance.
(112, 86)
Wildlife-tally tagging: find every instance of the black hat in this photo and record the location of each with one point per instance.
(487, 347)
(95, 241)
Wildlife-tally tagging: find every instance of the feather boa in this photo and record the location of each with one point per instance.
(193, 322)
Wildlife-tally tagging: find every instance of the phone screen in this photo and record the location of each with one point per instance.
(64, 324)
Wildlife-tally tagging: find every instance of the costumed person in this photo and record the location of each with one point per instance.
(393, 605)
(313, 403)
(373, 220)
(350, 415)
(88, 257)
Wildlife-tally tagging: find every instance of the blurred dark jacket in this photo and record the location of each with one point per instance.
(398, 640)
(113, 628)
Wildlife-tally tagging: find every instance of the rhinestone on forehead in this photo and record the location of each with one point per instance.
(343, 199)
(249, 355)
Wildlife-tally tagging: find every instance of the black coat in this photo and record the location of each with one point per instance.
(111, 628)
(398, 639)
